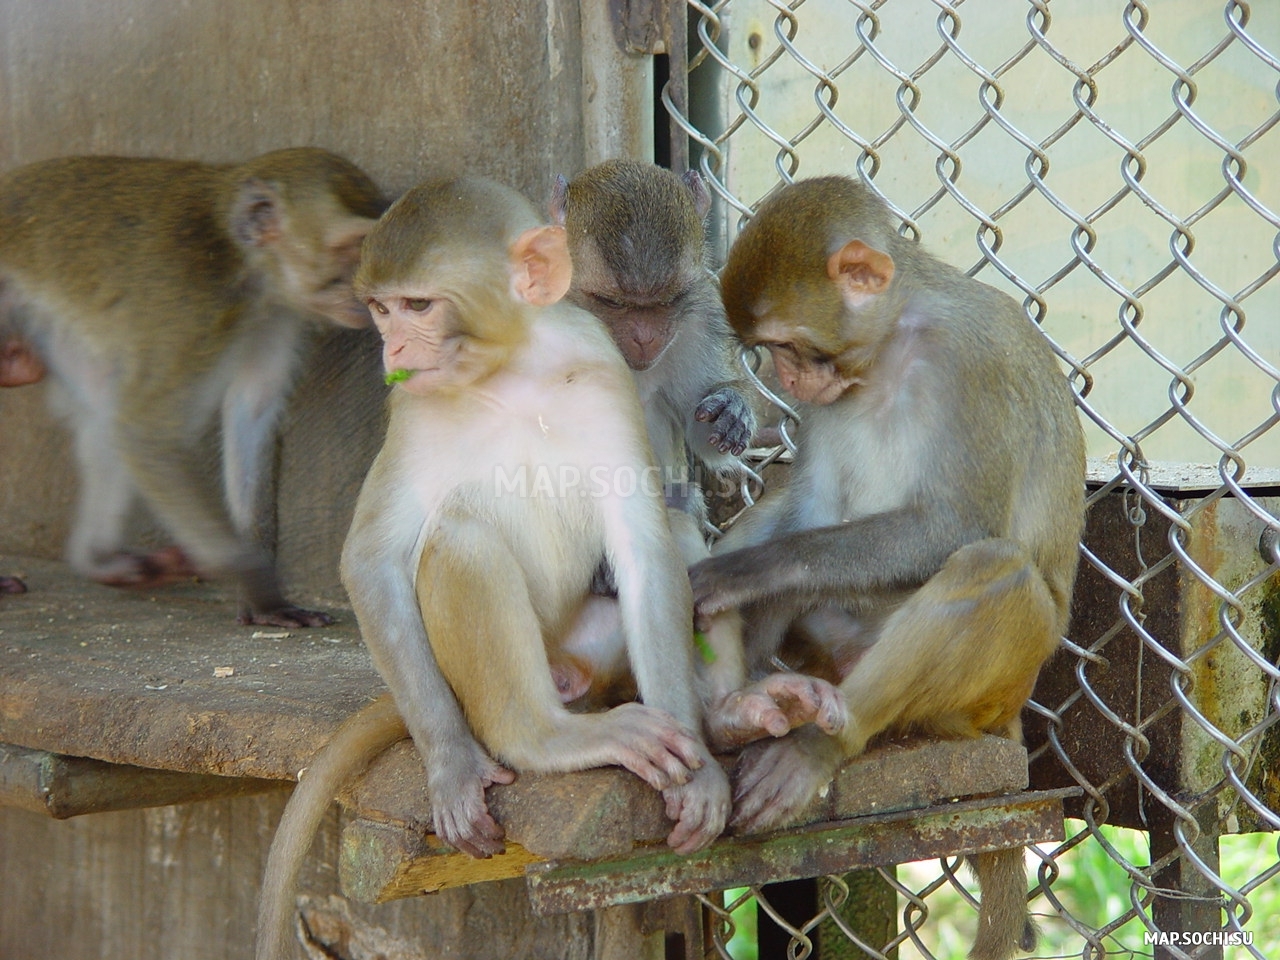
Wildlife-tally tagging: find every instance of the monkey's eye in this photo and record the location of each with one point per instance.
(609, 302)
(378, 307)
(417, 304)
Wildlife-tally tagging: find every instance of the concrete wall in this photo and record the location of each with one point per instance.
(405, 90)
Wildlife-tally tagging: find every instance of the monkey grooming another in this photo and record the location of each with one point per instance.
(635, 234)
(928, 534)
(160, 294)
(463, 582)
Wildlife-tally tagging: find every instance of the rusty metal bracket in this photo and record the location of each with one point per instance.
(641, 27)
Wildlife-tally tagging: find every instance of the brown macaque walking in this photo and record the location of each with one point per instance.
(928, 534)
(515, 458)
(160, 295)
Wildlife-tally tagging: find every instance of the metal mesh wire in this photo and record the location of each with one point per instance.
(1114, 166)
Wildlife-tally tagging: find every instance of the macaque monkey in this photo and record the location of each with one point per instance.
(928, 534)
(464, 578)
(635, 235)
(160, 295)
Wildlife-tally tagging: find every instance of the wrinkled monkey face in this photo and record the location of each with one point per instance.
(420, 341)
(808, 376)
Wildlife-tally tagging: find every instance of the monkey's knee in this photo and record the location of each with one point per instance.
(992, 564)
(993, 586)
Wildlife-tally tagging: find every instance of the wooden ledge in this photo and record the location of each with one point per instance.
(387, 853)
(114, 699)
(168, 680)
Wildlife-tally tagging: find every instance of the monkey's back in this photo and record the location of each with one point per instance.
(106, 227)
(1023, 415)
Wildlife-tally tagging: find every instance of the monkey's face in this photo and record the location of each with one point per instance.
(809, 375)
(421, 341)
(324, 279)
(642, 332)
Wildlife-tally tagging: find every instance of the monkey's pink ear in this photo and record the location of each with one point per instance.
(257, 214)
(861, 272)
(540, 267)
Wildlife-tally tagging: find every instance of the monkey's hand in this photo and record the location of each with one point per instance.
(12, 585)
(725, 582)
(699, 808)
(776, 780)
(456, 781)
(773, 707)
(650, 743)
(731, 417)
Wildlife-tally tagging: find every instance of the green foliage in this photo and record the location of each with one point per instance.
(1092, 887)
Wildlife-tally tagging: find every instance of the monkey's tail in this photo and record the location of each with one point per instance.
(1004, 926)
(360, 738)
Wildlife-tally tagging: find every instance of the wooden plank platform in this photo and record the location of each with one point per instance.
(141, 678)
(170, 700)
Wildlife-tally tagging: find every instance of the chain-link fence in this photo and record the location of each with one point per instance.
(1113, 165)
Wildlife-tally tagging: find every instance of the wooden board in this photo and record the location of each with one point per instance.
(142, 677)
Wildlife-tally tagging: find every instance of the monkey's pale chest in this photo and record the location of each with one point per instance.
(866, 462)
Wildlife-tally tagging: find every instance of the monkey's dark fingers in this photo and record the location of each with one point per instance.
(288, 616)
(732, 417)
(12, 585)
(732, 434)
(712, 406)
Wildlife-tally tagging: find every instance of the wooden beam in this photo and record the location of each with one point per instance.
(62, 787)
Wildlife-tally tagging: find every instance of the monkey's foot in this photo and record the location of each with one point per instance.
(776, 779)
(699, 808)
(12, 585)
(19, 365)
(459, 812)
(773, 707)
(146, 570)
(288, 616)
